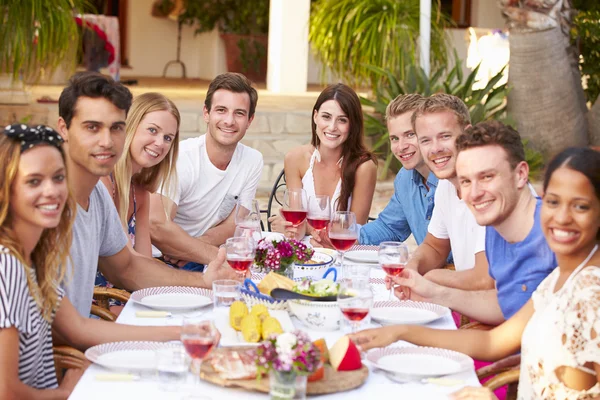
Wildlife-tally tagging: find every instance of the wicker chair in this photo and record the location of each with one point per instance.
(504, 369)
(510, 378)
(102, 295)
(66, 357)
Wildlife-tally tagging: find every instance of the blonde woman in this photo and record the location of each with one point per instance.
(147, 164)
(36, 220)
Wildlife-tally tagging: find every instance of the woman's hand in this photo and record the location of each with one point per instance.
(279, 224)
(474, 393)
(71, 378)
(376, 337)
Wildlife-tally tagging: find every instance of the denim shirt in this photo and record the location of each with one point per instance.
(409, 211)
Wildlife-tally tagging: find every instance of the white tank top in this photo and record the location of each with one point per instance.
(308, 182)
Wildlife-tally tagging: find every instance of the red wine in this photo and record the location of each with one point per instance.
(294, 216)
(393, 269)
(240, 264)
(342, 243)
(318, 223)
(198, 348)
(355, 314)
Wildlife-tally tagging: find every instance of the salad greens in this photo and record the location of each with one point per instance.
(320, 288)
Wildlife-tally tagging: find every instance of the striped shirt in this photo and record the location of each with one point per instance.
(18, 309)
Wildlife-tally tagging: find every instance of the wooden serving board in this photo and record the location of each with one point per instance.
(333, 381)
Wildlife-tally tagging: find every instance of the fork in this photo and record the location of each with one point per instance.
(434, 381)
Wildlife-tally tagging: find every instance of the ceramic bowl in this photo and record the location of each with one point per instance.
(317, 315)
(315, 270)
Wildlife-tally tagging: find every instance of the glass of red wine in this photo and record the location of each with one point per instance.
(295, 206)
(319, 212)
(240, 253)
(393, 256)
(198, 338)
(343, 232)
(355, 299)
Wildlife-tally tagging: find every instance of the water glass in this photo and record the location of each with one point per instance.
(357, 272)
(172, 365)
(225, 292)
(247, 222)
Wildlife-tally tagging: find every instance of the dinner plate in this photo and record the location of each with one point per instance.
(231, 337)
(362, 256)
(127, 356)
(411, 363)
(406, 312)
(173, 298)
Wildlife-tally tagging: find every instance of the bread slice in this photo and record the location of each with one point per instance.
(274, 280)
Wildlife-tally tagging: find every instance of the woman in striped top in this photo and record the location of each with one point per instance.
(36, 218)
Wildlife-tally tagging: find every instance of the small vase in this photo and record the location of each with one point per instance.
(287, 386)
(286, 270)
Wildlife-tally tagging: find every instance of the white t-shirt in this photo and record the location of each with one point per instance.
(207, 195)
(452, 219)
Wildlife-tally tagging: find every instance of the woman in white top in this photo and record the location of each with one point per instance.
(558, 329)
(336, 162)
(36, 220)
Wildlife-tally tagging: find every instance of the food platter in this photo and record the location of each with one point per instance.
(333, 381)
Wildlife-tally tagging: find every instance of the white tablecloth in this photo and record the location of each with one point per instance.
(377, 385)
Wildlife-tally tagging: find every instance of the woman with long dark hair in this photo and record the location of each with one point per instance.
(336, 162)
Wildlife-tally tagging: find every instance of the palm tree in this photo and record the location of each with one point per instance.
(546, 97)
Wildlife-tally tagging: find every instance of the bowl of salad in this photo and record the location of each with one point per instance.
(317, 315)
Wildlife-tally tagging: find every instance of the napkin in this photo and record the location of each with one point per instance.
(153, 314)
(116, 377)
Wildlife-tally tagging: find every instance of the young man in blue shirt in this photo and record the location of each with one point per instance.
(493, 179)
(411, 205)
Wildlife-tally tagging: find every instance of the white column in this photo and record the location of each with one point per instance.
(288, 46)
(425, 34)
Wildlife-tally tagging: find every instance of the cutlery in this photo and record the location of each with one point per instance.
(434, 381)
(284, 294)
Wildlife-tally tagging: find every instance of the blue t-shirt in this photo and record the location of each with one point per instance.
(518, 268)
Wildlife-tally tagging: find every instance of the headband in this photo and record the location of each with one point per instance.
(33, 136)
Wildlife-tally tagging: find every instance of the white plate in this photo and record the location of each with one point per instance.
(231, 337)
(406, 312)
(173, 298)
(362, 256)
(410, 363)
(127, 356)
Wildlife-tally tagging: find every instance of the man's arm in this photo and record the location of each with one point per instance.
(476, 278)
(133, 271)
(217, 235)
(480, 305)
(171, 239)
(391, 224)
(431, 254)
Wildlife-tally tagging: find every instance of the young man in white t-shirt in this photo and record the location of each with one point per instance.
(438, 121)
(215, 171)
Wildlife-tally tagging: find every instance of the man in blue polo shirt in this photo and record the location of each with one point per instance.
(493, 179)
(411, 205)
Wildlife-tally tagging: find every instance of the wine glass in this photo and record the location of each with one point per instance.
(247, 222)
(343, 232)
(240, 253)
(295, 206)
(198, 338)
(319, 212)
(393, 256)
(355, 299)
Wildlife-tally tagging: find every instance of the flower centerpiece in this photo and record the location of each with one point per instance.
(288, 358)
(280, 254)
